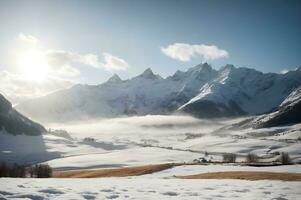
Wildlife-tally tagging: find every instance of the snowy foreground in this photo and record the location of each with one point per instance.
(151, 186)
(145, 188)
(161, 185)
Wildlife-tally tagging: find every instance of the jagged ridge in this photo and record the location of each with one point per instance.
(201, 91)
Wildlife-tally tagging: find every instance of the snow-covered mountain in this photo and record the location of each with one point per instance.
(146, 93)
(13, 122)
(288, 112)
(201, 91)
(236, 91)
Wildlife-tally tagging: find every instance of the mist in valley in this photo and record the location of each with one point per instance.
(142, 126)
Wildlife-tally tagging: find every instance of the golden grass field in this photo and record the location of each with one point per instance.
(148, 169)
(246, 175)
(120, 172)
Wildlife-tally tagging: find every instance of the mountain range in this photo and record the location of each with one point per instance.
(200, 91)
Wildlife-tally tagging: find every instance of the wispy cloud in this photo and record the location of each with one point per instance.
(114, 63)
(27, 38)
(184, 52)
(62, 61)
(59, 64)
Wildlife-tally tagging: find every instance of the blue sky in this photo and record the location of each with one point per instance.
(264, 35)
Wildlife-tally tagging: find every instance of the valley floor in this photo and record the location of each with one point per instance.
(134, 141)
(151, 140)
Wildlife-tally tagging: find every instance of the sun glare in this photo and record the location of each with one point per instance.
(33, 65)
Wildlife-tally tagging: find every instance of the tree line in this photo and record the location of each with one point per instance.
(284, 158)
(22, 171)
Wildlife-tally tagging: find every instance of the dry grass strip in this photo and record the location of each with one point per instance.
(246, 175)
(120, 172)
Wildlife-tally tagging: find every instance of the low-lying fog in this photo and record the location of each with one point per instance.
(150, 126)
(144, 124)
(151, 139)
(133, 140)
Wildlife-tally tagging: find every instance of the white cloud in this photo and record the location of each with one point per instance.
(18, 88)
(61, 61)
(55, 63)
(28, 38)
(89, 59)
(184, 52)
(114, 63)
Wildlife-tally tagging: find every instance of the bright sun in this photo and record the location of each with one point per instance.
(33, 64)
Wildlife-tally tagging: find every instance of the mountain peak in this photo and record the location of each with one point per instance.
(114, 79)
(206, 67)
(148, 74)
(148, 71)
(201, 67)
(227, 68)
(298, 69)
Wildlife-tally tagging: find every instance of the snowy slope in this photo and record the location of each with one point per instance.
(241, 90)
(293, 98)
(200, 90)
(289, 112)
(12, 122)
(186, 170)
